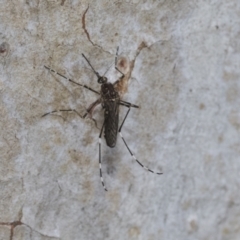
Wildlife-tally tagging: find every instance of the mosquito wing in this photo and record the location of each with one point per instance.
(111, 116)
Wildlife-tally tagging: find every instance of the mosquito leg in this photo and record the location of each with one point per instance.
(71, 110)
(90, 109)
(100, 161)
(62, 110)
(128, 104)
(116, 57)
(146, 168)
(70, 80)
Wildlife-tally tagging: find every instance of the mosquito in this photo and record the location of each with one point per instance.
(110, 100)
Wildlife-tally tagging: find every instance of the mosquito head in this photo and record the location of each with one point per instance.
(102, 80)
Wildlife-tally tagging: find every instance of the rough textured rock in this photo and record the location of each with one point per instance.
(182, 65)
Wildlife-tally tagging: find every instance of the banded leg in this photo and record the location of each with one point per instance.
(100, 161)
(128, 104)
(62, 110)
(70, 80)
(146, 168)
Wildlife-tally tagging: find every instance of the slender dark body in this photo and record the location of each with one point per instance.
(110, 102)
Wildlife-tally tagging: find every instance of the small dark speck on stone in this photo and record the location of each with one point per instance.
(201, 106)
(4, 49)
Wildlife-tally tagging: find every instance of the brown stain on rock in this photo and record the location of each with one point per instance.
(186, 204)
(79, 158)
(233, 93)
(124, 175)
(134, 232)
(10, 146)
(193, 225)
(220, 138)
(114, 199)
(234, 119)
(88, 187)
(202, 106)
(230, 76)
(127, 67)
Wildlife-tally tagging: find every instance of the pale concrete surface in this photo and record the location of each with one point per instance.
(185, 62)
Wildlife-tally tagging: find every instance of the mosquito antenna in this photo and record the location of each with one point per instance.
(107, 69)
(97, 74)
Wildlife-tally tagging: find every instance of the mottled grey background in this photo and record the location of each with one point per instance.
(182, 60)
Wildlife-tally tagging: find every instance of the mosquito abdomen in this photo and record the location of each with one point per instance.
(111, 123)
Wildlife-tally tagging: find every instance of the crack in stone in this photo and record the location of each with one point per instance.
(17, 223)
(84, 26)
(86, 31)
(12, 226)
(44, 235)
(159, 41)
